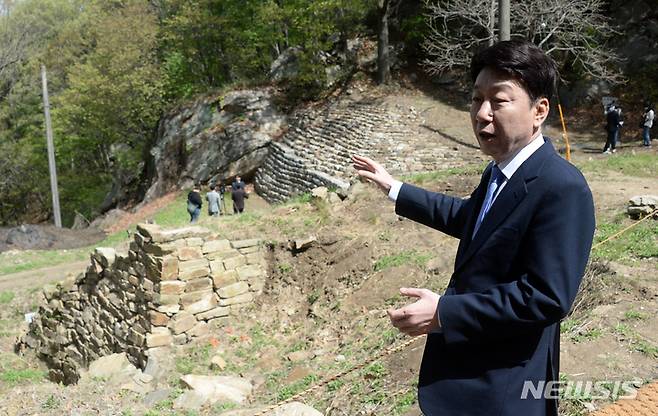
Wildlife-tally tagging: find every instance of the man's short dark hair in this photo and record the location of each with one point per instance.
(523, 61)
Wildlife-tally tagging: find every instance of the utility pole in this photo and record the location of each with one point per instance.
(503, 20)
(51, 151)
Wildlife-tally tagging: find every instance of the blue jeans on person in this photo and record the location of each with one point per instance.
(646, 138)
(194, 212)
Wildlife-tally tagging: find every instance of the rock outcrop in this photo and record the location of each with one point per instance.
(214, 139)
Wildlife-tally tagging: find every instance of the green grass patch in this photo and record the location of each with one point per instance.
(6, 297)
(643, 165)
(21, 376)
(288, 391)
(404, 402)
(640, 241)
(405, 257)
(429, 177)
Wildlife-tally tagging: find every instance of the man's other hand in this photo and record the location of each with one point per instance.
(373, 171)
(420, 317)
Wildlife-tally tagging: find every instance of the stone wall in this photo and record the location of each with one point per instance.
(317, 147)
(171, 287)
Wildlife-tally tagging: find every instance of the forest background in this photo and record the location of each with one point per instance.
(115, 67)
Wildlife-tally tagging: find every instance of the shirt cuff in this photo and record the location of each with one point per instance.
(438, 330)
(395, 190)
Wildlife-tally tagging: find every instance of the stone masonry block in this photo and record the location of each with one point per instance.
(213, 246)
(192, 297)
(233, 290)
(213, 313)
(189, 253)
(216, 266)
(246, 243)
(249, 271)
(249, 250)
(168, 309)
(224, 278)
(192, 269)
(158, 318)
(169, 268)
(234, 262)
(243, 298)
(182, 322)
(201, 329)
(172, 287)
(195, 285)
(255, 258)
(159, 337)
(194, 242)
(161, 299)
(221, 255)
(205, 304)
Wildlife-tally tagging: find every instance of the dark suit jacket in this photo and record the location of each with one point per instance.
(512, 284)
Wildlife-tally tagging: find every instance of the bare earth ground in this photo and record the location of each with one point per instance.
(330, 300)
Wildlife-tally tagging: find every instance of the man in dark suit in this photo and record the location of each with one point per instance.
(525, 235)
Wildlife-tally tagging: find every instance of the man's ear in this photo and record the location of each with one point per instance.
(541, 109)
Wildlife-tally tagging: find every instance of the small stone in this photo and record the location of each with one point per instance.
(299, 356)
(217, 363)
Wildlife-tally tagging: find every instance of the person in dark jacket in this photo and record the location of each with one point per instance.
(237, 184)
(525, 236)
(238, 196)
(612, 127)
(194, 204)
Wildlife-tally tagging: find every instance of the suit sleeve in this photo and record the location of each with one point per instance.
(442, 212)
(556, 249)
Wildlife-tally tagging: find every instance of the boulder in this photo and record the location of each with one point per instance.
(214, 139)
(219, 388)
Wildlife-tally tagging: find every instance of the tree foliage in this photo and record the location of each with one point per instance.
(573, 32)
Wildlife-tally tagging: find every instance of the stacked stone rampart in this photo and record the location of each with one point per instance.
(170, 288)
(316, 149)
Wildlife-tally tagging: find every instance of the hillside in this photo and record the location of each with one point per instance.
(323, 308)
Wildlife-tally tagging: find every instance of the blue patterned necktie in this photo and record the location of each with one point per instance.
(497, 179)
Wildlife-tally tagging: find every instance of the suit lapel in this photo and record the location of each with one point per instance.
(508, 199)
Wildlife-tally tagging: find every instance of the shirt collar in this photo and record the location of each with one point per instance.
(511, 165)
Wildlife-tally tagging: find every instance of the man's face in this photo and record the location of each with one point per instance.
(503, 117)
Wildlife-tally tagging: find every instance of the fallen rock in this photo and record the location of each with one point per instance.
(190, 400)
(219, 388)
(115, 367)
(642, 205)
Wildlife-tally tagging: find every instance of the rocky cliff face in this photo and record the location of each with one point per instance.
(214, 139)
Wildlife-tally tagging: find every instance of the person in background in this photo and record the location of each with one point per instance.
(221, 188)
(194, 203)
(621, 124)
(647, 123)
(213, 201)
(238, 196)
(237, 183)
(612, 127)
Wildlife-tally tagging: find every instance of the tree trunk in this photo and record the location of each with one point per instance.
(383, 59)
